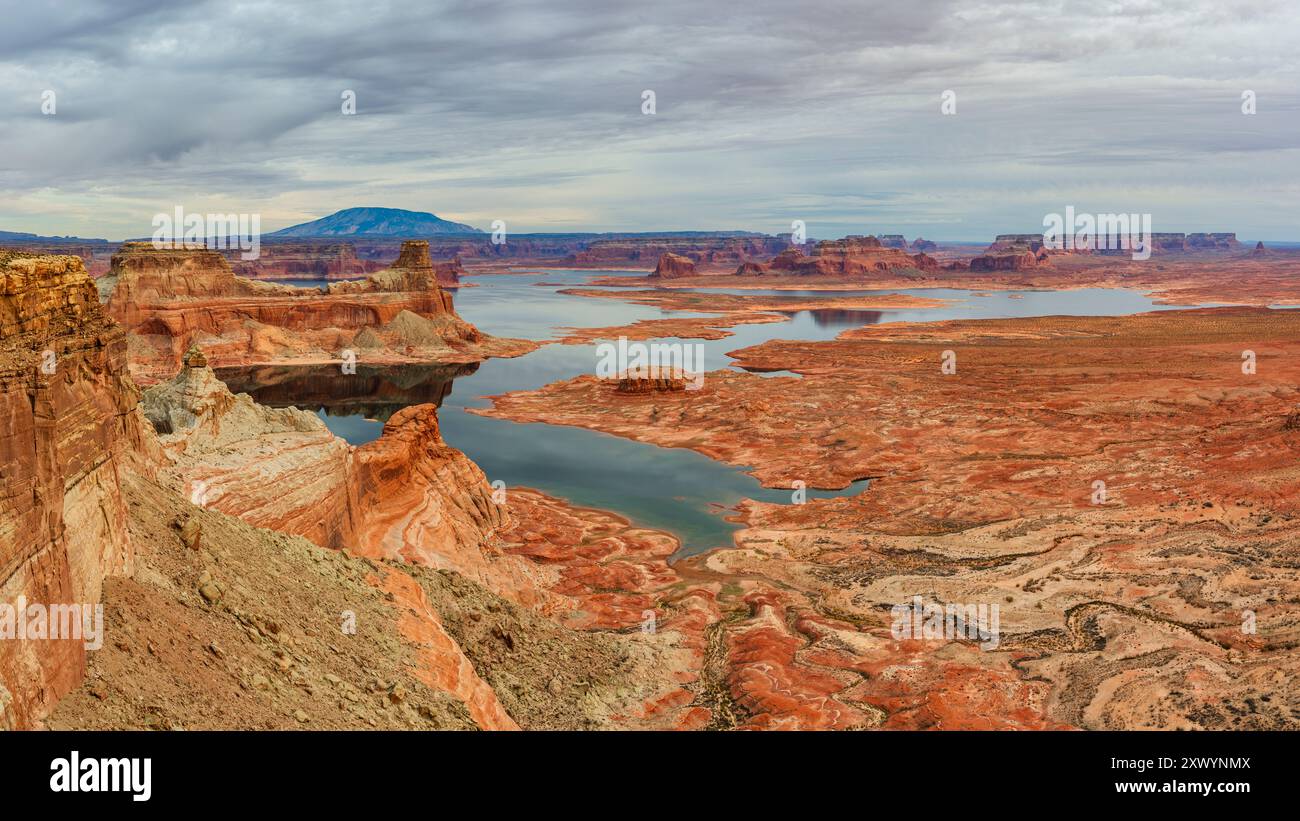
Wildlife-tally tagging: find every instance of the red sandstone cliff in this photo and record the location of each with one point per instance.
(231, 621)
(407, 495)
(672, 266)
(68, 428)
(851, 256)
(304, 261)
(1009, 261)
(701, 250)
(170, 300)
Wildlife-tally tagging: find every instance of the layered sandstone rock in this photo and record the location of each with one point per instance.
(1106, 243)
(1009, 261)
(68, 430)
(853, 256)
(410, 498)
(1018, 243)
(406, 494)
(414, 258)
(172, 299)
(674, 265)
(669, 381)
(703, 250)
(1225, 241)
(304, 261)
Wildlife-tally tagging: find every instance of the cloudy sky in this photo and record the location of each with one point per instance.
(766, 111)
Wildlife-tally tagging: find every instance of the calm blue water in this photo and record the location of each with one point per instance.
(672, 489)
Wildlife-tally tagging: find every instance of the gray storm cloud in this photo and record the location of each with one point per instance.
(766, 112)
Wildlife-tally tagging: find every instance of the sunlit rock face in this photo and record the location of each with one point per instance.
(69, 424)
(171, 299)
(674, 265)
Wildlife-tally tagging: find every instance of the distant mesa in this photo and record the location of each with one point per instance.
(21, 238)
(1117, 245)
(853, 255)
(924, 245)
(718, 249)
(376, 222)
(1010, 260)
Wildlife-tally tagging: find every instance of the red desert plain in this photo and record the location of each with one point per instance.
(1041, 522)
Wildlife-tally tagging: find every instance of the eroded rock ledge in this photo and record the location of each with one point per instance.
(170, 300)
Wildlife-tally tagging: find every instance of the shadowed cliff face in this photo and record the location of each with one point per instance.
(68, 421)
(372, 392)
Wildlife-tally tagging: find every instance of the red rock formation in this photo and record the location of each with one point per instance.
(852, 256)
(638, 383)
(68, 426)
(304, 261)
(674, 265)
(922, 245)
(987, 506)
(1226, 241)
(414, 258)
(172, 299)
(702, 250)
(1009, 261)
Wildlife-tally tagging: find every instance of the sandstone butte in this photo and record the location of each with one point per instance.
(232, 545)
(1170, 602)
(674, 265)
(851, 256)
(171, 299)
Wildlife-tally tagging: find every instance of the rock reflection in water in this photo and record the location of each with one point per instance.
(839, 317)
(372, 392)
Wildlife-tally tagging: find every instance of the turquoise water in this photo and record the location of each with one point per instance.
(672, 489)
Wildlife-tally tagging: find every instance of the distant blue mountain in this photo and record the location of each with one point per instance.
(376, 222)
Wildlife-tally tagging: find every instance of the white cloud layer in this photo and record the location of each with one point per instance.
(766, 112)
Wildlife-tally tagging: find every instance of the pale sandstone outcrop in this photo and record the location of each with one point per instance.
(405, 495)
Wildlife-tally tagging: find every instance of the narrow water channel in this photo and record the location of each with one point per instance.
(671, 489)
